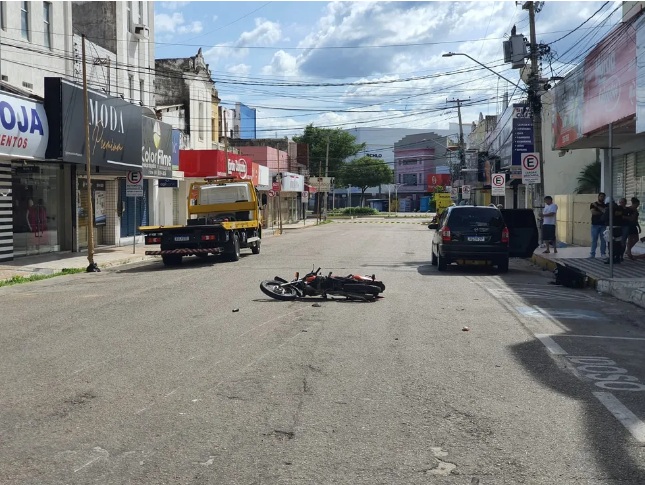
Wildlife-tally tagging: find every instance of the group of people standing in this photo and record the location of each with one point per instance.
(625, 230)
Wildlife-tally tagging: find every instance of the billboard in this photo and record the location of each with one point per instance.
(24, 131)
(610, 79)
(435, 179)
(214, 163)
(568, 101)
(115, 127)
(156, 148)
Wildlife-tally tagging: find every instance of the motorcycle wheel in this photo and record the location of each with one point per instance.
(274, 290)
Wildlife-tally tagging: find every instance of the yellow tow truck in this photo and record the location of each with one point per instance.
(223, 217)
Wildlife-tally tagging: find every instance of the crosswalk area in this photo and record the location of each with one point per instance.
(380, 222)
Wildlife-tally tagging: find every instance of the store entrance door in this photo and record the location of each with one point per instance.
(35, 189)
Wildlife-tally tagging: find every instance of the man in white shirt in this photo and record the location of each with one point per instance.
(548, 217)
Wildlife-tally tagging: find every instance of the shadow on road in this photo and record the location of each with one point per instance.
(187, 262)
(609, 443)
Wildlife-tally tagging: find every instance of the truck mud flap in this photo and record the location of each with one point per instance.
(184, 252)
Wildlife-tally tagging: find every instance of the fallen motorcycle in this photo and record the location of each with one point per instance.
(352, 287)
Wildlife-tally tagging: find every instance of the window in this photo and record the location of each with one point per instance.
(47, 28)
(129, 15)
(131, 86)
(141, 91)
(24, 19)
(200, 123)
(3, 15)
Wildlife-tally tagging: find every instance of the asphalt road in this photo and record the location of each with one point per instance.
(147, 375)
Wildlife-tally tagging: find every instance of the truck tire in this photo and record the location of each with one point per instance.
(171, 259)
(255, 247)
(234, 248)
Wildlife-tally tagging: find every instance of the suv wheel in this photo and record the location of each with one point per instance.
(442, 264)
(502, 266)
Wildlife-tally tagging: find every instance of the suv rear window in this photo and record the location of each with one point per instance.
(469, 217)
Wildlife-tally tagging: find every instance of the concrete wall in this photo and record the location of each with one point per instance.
(573, 224)
(26, 61)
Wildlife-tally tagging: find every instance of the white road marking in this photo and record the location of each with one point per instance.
(550, 344)
(628, 419)
(602, 336)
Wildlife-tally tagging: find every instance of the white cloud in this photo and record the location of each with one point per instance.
(215, 17)
(282, 64)
(239, 69)
(168, 23)
(192, 28)
(265, 33)
(173, 5)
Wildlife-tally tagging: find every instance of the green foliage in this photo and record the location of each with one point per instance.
(342, 145)
(16, 280)
(365, 172)
(358, 211)
(589, 179)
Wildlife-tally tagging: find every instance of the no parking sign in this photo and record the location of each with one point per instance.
(530, 168)
(498, 184)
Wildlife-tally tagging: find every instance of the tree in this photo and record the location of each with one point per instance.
(589, 179)
(342, 145)
(365, 172)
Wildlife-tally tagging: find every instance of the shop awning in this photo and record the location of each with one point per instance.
(310, 188)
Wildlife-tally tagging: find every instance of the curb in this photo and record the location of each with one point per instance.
(551, 265)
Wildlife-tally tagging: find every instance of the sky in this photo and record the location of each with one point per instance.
(370, 64)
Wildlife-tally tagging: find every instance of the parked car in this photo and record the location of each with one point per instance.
(468, 233)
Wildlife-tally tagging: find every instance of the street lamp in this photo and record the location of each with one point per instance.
(450, 54)
(389, 198)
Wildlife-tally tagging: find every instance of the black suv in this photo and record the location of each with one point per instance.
(470, 233)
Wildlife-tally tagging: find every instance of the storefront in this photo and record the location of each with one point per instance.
(29, 188)
(122, 140)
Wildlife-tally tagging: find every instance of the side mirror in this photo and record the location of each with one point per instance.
(433, 225)
(264, 199)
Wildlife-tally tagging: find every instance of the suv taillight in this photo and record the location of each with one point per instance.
(445, 234)
(505, 235)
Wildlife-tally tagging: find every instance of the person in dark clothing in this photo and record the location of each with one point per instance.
(633, 227)
(616, 231)
(598, 226)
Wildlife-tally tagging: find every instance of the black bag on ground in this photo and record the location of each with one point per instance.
(570, 277)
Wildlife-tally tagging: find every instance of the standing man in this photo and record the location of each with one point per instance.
(548, 223)
(598, 226)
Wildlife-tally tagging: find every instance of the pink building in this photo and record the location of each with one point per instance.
(276, 160)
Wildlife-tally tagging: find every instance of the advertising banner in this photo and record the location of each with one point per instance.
(176, 141)
(115, 127)
(435, 179)
(640, 75)
(156, 148)
(567, 114)
(24, 131)
(522, 137)
(214, 163)
(292, 182)
(610, 79)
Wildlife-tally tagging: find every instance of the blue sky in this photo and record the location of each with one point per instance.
(346, 64)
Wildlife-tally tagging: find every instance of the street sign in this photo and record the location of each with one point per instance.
(454, 193)
(321, 184)
(305, 196)
(465, 192)
(134, 184)
(275, 186)
(498, 184)
(530, 168)
(271, 193)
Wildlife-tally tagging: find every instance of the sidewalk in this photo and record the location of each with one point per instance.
(105, 257)
(627, 283)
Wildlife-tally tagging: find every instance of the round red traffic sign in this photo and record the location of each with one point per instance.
(134, 178)
(530, 161)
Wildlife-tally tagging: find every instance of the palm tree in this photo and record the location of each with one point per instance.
(589, 179)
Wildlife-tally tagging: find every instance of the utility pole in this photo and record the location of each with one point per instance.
(92, 266)
(462, 148)
(535, 102)
(326, 174)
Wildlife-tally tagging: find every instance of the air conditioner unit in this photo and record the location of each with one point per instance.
(142, 32)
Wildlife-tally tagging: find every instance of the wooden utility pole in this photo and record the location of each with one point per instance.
(92, 266)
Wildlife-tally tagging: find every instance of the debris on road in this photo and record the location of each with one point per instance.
(465, 329)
